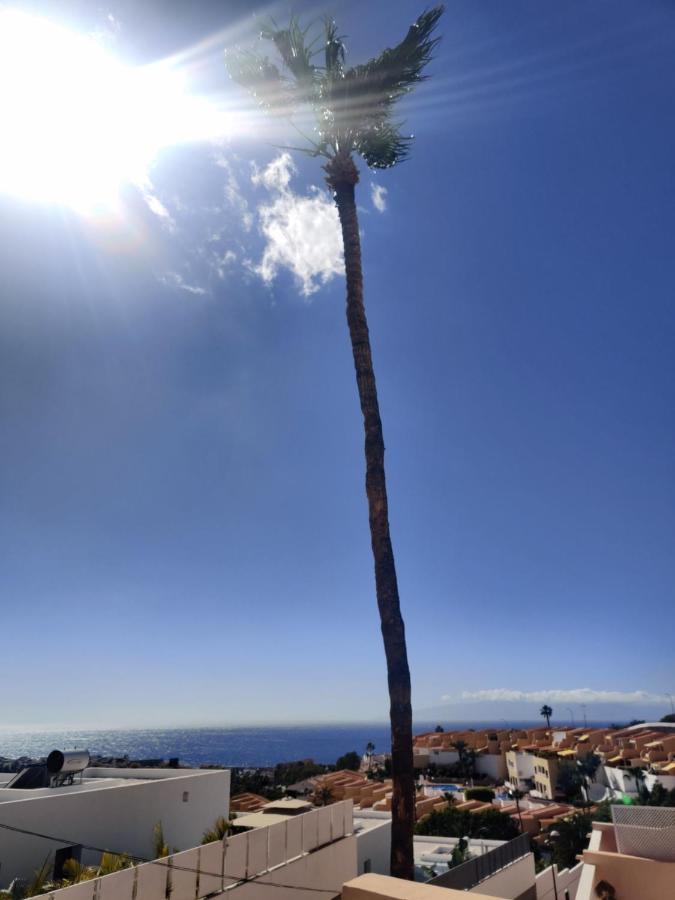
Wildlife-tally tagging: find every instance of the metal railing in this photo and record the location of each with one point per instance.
(469, 874)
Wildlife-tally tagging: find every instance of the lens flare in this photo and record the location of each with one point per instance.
(78, 123)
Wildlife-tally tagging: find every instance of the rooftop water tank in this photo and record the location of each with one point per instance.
(67, 762)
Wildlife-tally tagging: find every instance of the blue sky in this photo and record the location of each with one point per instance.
(183, 520)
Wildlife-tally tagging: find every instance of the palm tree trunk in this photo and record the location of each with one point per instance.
(343, 177)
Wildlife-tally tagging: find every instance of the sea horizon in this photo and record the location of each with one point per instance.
(231, 745)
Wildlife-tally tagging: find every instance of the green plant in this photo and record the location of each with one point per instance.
(353, 109)
(480, 793)
(546, 712)
(322, 796)
(350, 760)
(220, 829)
(490, 824)
(160, 847)
(570, 839)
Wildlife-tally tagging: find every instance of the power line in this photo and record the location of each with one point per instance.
(169, 865)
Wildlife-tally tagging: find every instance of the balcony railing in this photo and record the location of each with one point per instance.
(469, 874)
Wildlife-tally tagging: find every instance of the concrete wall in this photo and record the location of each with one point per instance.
(380, 887)
(374, 844)
(492, 764)
(314, 851)
(566, 880)
(442, 757)
(632, 876)
(621, 780)
(119, 818)
(511, 882)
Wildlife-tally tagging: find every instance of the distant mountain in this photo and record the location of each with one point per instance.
(519, 713)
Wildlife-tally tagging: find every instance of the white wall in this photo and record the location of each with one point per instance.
(510, 882)
(314, 851)
(374, 844)
(442, 757)
(565, 880)
(119, 818)
(492, 764)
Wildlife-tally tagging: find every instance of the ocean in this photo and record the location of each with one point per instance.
(240, 746)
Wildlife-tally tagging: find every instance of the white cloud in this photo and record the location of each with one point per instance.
(156, 206)
(302, 233)
(175, 280)
(233, 193)
(572, 695)
(378, 194)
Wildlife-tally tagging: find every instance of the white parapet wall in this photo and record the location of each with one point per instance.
(565, 880)
(315, 851)
(509, 882)
(118, 814)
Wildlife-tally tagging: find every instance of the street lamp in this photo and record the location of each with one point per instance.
(552, 838)
(571, 712)
(672, 708)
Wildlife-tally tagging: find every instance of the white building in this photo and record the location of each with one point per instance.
(309, 854)
(113, 809)
(520, 770)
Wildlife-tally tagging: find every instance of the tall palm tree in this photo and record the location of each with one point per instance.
(353, 111)
(588, 765)
(546, 712)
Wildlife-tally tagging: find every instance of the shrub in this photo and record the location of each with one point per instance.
(480, 793)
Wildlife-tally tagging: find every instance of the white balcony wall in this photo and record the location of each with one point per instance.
(120, 817)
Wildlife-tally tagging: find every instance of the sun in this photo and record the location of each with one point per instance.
(78, 123)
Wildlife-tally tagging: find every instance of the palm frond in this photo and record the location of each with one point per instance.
(363, 100)
(293, 50)
(382, 146)
(261, 78)
(334, 49)
(398, 69)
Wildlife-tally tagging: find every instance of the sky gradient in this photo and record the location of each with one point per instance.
(183, 521)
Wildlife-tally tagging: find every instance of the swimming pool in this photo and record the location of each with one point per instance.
(444, 787)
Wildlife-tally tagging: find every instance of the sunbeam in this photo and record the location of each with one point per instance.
(78, 123)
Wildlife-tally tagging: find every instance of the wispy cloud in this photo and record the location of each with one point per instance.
(233, 193)
(378, 194)
(176, 280)
(302, 232)
(570, 695)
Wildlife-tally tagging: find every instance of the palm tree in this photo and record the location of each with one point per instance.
(353, 109)
(322, 796)
(370, 749)
(220, 829)
(518, 795)
(588, 766)
(638, 775)
(546, 712)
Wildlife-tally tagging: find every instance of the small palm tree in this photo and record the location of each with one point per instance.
(159, 846)
(221, 828)
(322, 796)
(353, 110)
(546, 712)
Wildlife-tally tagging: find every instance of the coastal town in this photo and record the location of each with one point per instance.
(518, 814)
(259, 646)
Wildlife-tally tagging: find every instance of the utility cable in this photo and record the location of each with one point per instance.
(168, 864)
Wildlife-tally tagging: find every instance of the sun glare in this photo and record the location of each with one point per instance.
(77, 123)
